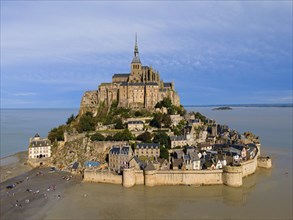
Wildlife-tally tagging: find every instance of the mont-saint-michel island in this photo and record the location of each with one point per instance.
(133, 131)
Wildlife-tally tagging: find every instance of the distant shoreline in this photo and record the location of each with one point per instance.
(289, 105)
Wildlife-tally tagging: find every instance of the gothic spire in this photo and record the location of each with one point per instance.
(136, 56)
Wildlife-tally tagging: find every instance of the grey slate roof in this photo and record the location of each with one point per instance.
(150, 166)
(115, 150)
(186, 157)
(136, 59)
(147, 145)
(140, 163)
(194, 156)
(152, 84)
(136, 84)
(167, 84)
(177, 162)
(135, 122)
(177, 138)
(125, 150)
(121, 75)
(40, 143)
(75, 165)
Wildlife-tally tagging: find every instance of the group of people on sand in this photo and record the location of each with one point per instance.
(36, 192)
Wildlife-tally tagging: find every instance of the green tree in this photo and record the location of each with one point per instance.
(145, 137)
(57, 133)
(138, 114)
(160, 119)
(86, 123)
(197, 115)
(166, 120)
(125, 135)
(70, 119)
(109, 138)
(166, 102)
(119, 124)
(157, 120)
(98, 137)
(163, 139)
(164, 153)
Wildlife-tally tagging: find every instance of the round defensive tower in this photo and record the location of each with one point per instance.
(232, 176)
(264, 162)
(128, 178)
(150, 177)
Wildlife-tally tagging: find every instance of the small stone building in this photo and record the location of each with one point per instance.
(135, 125)
(119, 156)
(39, 147)
(148, 150)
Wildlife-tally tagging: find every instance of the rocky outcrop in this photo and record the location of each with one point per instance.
(81, 150)
(89, 102)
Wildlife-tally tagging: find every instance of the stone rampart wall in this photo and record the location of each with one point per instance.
(249, 167)
(207, 177)
(139, 177)
(229, 175)
(264, 162)
(102, 177)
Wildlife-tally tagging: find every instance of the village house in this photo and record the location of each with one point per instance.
(136, 163)
(178, 141)
(195, 123)
(191, 161)
(148, 150)
(119, 156)
(176, 119)
(205, 146)
(39, 147)
(177, 153)
(135, 125)
(202, 136)
(176, 164)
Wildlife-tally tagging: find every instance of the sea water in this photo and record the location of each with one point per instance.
(272, 124)
(18, 125)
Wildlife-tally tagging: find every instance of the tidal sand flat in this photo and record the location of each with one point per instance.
(32, 194)
(13, 165)
(265, 195)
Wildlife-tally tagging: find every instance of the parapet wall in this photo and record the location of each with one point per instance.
(102, 177)
(264, 162)
(229, 175)
(207, 177)
(248, 167)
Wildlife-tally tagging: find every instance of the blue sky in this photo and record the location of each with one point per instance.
(225, 52)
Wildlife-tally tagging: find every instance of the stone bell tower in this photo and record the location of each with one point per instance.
(136, 69)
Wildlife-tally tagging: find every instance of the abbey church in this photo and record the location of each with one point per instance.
(141, 88)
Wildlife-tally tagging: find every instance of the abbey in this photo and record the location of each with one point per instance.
(141, 88)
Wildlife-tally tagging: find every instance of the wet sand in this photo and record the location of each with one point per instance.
(265, 195)
(13, 166)
(30, 197)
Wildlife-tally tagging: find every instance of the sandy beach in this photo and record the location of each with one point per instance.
(34, 193)
(13, 166)
(265, 195)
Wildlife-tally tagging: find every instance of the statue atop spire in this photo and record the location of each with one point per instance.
(136, 56)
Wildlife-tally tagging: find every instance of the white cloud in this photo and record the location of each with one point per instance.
(25, 94)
